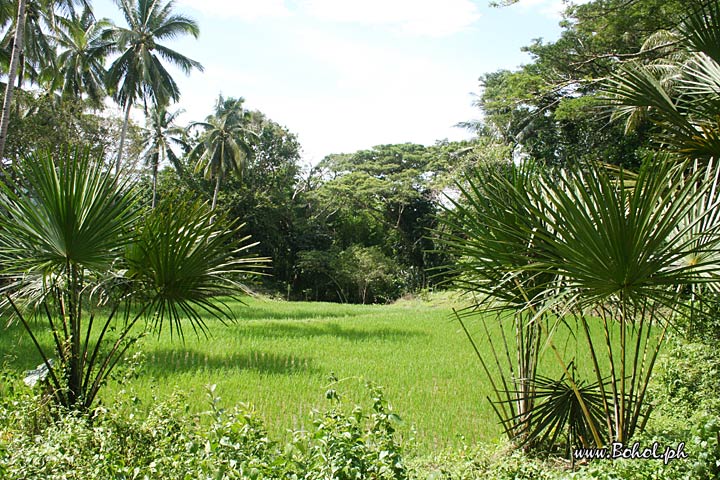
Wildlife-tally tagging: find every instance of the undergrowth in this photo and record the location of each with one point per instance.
(118, 442)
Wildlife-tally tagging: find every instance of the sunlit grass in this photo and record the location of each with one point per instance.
(279, 356)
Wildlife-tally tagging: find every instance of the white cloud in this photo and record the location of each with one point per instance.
(337, 124)
(243, 9)
(415, 17)
(375, 95)
(549, 8)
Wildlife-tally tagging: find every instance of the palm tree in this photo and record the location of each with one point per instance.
(680, 96)
(225, 143)
(161, 133)
(12, 72)
(36, 42)
(591, 251)
(77, 251)
(81, 60)
(27, 39)
(138, 73)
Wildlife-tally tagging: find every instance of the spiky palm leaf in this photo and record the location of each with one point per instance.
(72, 236)
(610, 241)
(65, 214)
(493, 235)
(558, 411)
(681, 97)
(180, 263)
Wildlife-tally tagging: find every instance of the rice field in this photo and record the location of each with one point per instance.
(279, 357)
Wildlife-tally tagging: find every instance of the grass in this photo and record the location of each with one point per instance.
(279, 357)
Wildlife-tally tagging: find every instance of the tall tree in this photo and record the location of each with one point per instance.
(14, 59)
(681, 98)
(29, 32)
(161, 133)
(138, 73)
(81, 60)
(549, 108)
(225, 143)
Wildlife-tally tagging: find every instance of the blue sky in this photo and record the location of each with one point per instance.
(350, 74)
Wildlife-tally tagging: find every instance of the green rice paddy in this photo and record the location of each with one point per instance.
(279, 357)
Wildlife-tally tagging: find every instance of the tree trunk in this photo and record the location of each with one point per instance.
(154, 183)
(215, 193)
(122, 139)
(21, 70)
(14, 58)
(74, 360)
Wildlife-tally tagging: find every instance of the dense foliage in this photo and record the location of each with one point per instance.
(591, 246)
(550, 109)
(163, 440)
(630, 252)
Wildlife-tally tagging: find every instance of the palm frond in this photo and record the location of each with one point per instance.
(181, 260)
(73, 213)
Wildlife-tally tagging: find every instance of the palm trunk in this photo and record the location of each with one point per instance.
(21, 70)
(154, 184)
(15, 56)
(122, 139)
(74, 361)
(215, 193)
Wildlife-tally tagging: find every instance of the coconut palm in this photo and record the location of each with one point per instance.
(225, 143)
(77, 251)
(80, 63)
(681, 97)
(138, 73)
(12, 72)
(27, 39)
(161, 133)
(37, 50)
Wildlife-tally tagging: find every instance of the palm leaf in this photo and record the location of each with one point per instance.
(182, 261)
(72, 213)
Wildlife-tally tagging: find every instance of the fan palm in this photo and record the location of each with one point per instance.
(225, 143)
(492, 231)
(161, 133)
(620, 254)
(76, 251)
(138, 73)
(578, 245)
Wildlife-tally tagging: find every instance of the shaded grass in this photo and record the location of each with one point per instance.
(279, 356)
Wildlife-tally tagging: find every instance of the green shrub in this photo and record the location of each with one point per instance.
(480, 463)
(689, 377)
(126, 442)
(354, 445)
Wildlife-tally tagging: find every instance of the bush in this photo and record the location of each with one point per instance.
(124, 442)
(689, 378)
